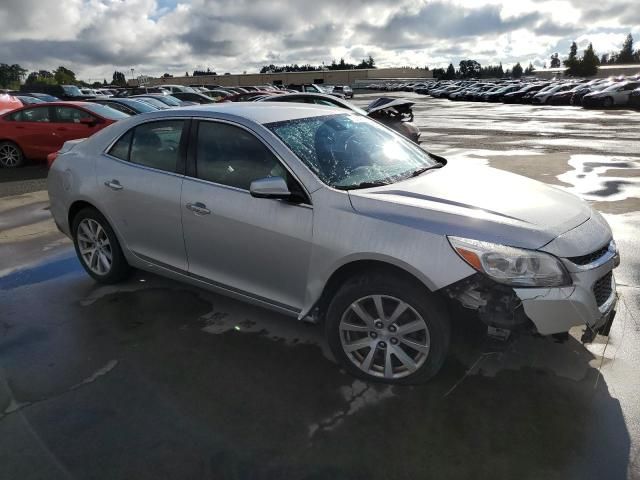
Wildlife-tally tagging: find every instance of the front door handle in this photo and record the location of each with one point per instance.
(198, 208)
(113, 184)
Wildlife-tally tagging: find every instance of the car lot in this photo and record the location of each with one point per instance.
(157, 379)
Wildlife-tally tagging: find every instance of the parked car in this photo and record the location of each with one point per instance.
(195, 97)
(168, 100)
(40, 96)
(363, 230)
(498, 95)
(178, 88)
(142, 90)
(615, 95)
(130, 106)
(634, 98)
(250, 96)
(543, 95)
(345, 90)
(313, 88)
(27, 100)
(33, 132)
(396, 115)
(518, 95)
(218, 94)
(63, 92)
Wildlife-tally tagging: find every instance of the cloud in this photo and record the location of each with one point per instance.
(95, 37)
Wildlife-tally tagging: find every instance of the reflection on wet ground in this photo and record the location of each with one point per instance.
(155, 379)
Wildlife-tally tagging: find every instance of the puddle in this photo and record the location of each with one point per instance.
(594, 177)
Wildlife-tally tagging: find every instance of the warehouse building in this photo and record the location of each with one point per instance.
(331, 77)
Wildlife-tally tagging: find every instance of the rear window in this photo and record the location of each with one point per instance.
(106, 112)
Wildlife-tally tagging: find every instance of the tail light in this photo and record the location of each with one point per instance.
(51, 158)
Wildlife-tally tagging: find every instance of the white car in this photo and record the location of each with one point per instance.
(616, 95)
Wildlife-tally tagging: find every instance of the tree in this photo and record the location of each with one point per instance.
(470, 68)
(572, 63)
(438, 73)
(530, 69)
(119, 79)
(555, 61)
(516, 72)
(64, 76)
(42, 77)
(10, 75)
(589, 62)
(451, 72)
(626, 55)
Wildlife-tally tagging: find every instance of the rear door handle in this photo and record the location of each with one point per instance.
(113, 185)
(198, 208)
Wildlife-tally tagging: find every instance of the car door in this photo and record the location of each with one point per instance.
(252, 246)
(32, 130)
(140, 179)
(71, 123)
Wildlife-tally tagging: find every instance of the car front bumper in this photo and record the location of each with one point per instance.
(590, 301)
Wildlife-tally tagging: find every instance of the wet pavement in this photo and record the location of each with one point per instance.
(155, 379)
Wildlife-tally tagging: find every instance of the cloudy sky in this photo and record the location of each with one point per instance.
(94, 37)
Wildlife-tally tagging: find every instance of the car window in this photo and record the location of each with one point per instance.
(70, 115)
(39, 114)
(232, 156)
(120, 149)
(119, 107)
(156, 144)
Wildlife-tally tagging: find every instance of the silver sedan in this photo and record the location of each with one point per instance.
(327, 216)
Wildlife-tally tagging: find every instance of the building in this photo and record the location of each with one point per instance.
(604, 71)
(331, 77)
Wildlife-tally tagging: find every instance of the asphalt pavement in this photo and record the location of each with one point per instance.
(156, 379)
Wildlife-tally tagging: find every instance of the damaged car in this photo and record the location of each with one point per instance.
(326, 215)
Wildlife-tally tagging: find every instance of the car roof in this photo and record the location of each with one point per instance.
(258, 112)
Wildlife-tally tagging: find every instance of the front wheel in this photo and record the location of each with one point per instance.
(608, 102)
(98, 248)
(388, 329)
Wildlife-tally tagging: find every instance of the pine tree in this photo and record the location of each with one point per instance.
(451, 72)
(626, 54)
(517, 71)
(589, 62)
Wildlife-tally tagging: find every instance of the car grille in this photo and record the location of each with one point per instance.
(602, 289)
(591, 257)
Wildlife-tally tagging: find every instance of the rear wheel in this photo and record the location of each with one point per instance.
(98, 248)
(388, 329)
(10, 155)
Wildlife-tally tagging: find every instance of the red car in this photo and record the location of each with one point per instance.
(35, 131)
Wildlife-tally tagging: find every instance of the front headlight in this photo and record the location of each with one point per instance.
(512, 266)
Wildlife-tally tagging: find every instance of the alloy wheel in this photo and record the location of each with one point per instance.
(384, 336)
(9, 156)
(94, 246)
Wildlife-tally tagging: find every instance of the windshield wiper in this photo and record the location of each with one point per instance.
(378, 183)
(420, 171)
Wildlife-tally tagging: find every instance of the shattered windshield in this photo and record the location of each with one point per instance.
(350, 151)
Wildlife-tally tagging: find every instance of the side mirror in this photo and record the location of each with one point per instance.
(270, 187)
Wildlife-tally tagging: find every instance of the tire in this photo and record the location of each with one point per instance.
(11, 155)
(352, 321)
(87, 226)
(607, 102)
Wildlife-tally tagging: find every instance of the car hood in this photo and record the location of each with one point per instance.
(476, 202)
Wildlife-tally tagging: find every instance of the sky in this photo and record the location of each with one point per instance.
(95, 37)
